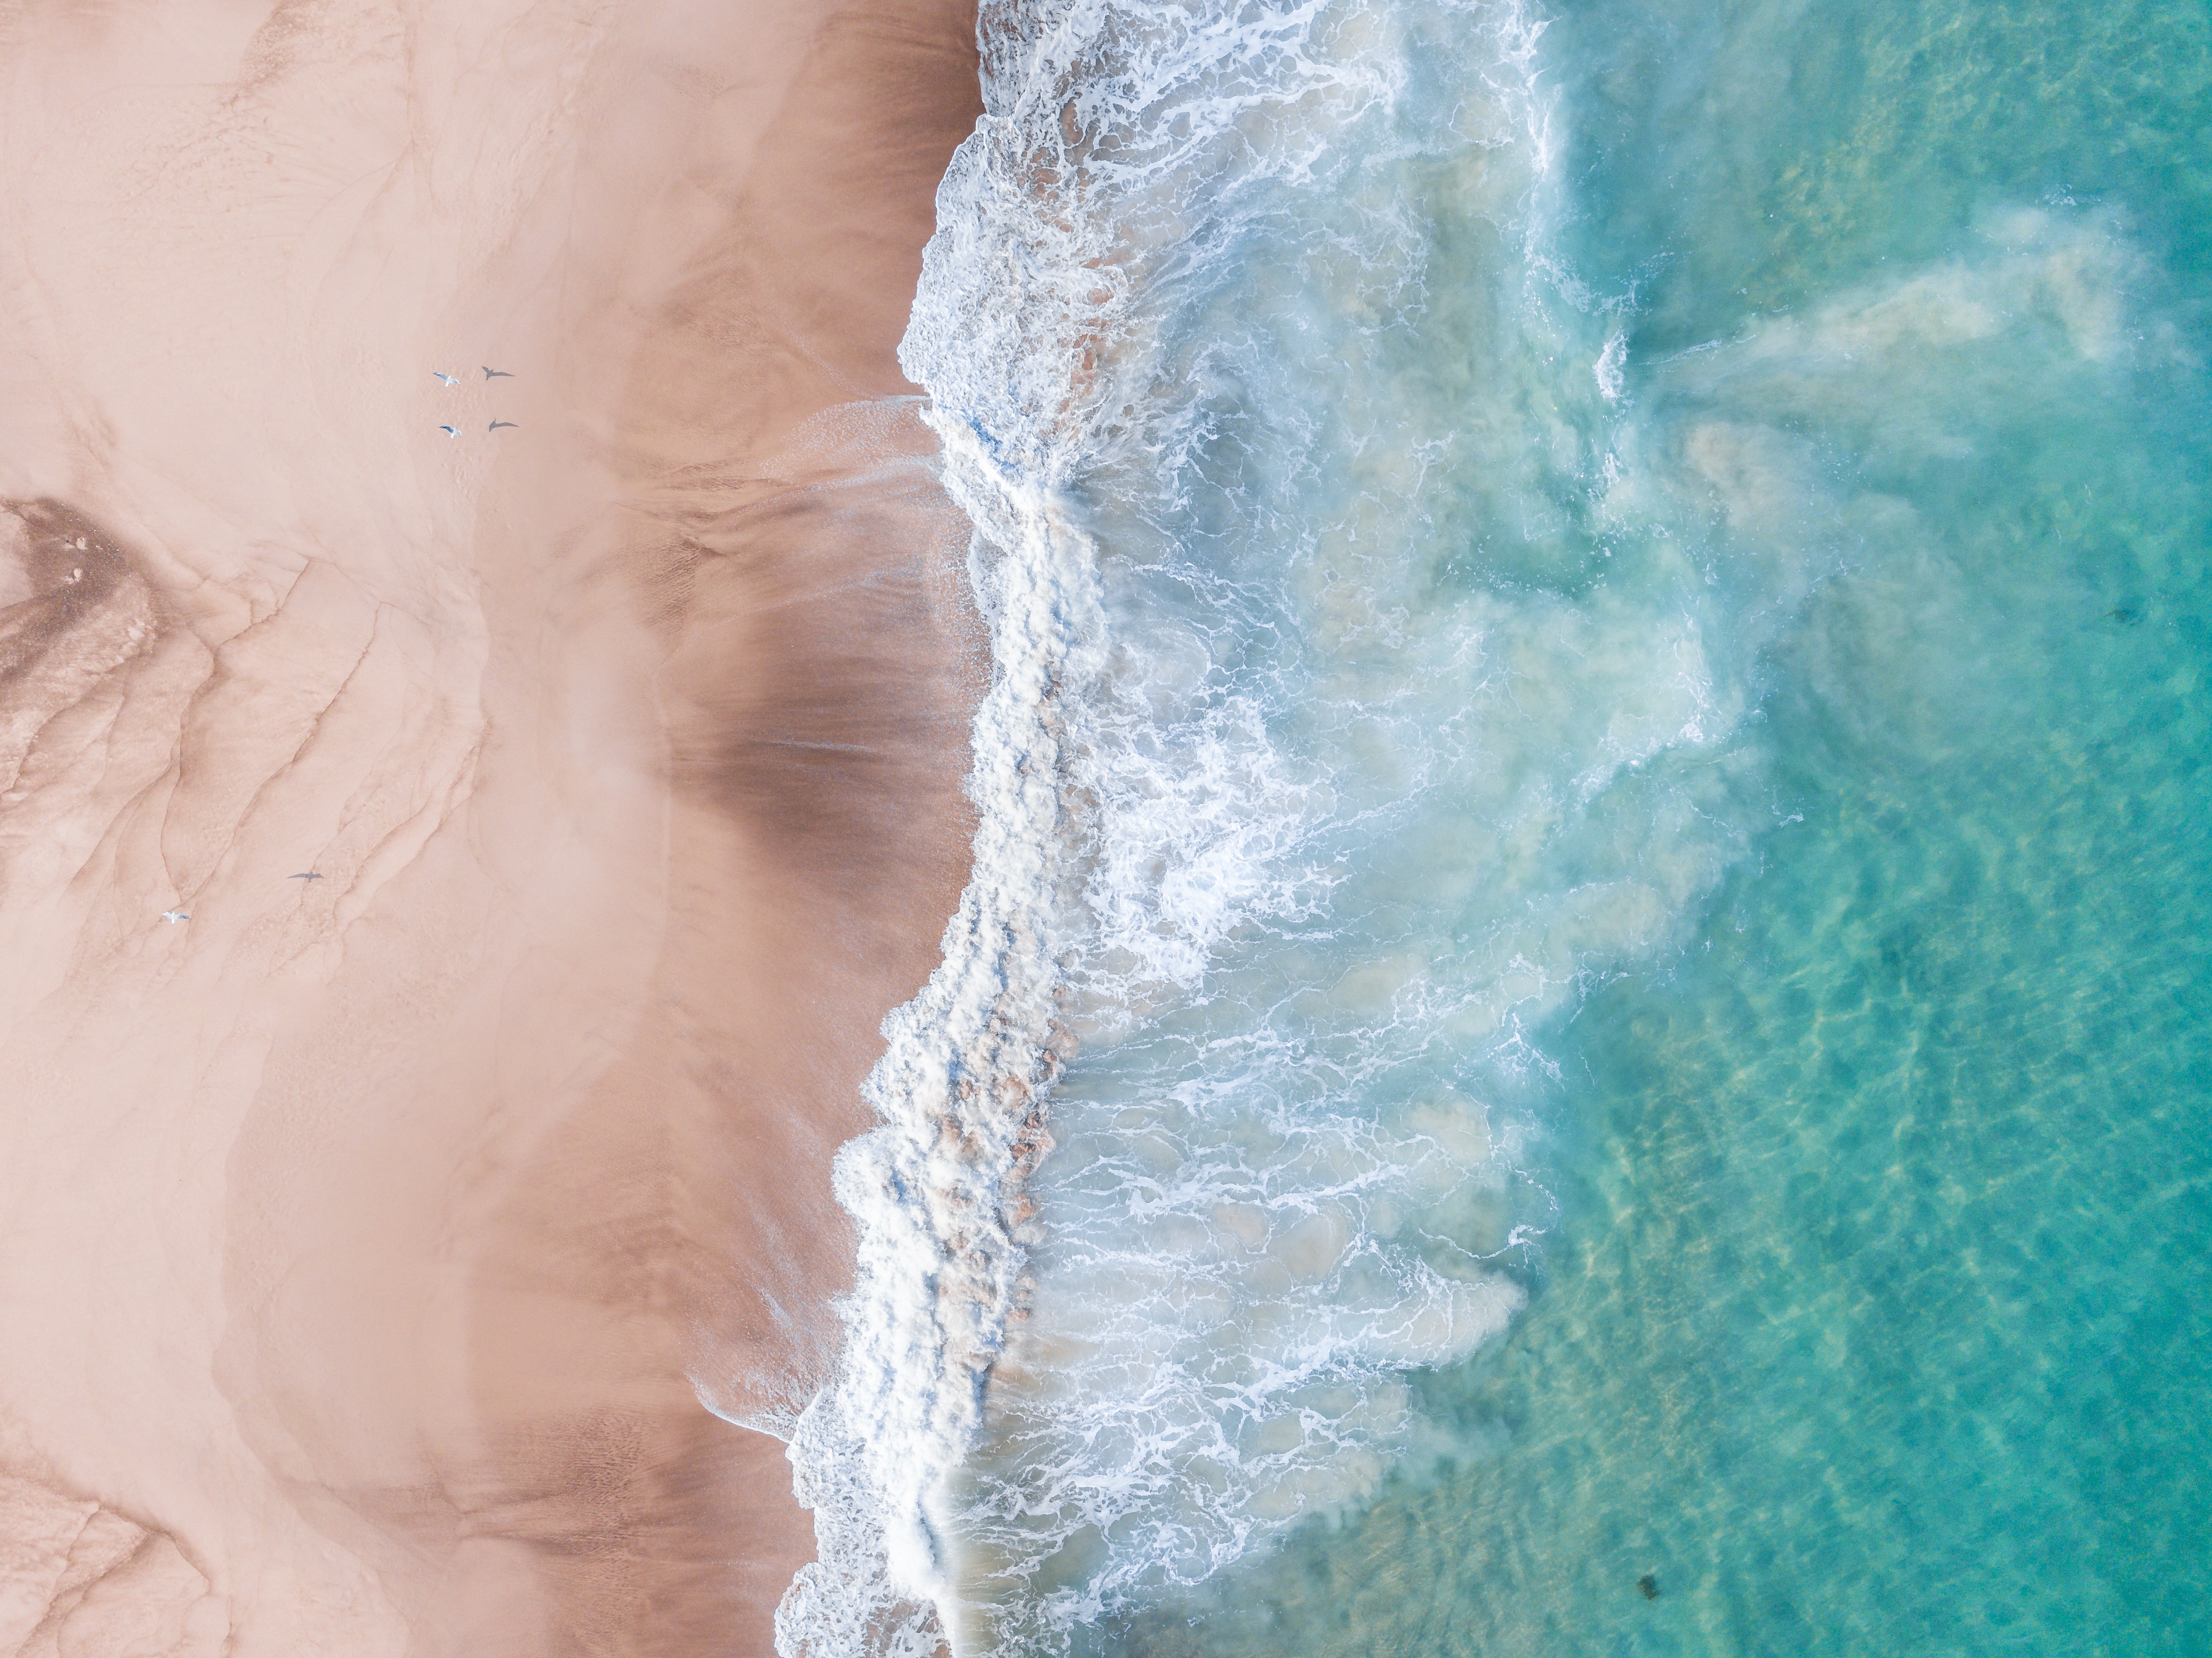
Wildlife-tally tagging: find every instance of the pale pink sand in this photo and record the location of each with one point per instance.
(363, 1241)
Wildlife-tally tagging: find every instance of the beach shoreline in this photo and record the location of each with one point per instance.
(375, 1236)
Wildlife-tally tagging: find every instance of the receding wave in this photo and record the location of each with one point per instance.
(1361, 694)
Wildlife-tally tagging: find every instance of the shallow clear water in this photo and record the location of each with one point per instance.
(1596, 773)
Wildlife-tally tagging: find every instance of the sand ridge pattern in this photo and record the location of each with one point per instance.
(367, 1243)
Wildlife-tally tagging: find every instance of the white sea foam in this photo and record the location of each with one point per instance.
(1232, 709)
(1114, 850)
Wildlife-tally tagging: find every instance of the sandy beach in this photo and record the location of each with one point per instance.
(551, 811)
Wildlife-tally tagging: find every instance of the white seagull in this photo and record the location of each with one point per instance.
(306, 875)
(175, 915)
(450, 431)
(450, 379)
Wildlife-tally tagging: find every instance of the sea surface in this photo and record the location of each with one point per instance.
(1584, 1021)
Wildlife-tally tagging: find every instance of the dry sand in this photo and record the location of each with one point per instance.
(365, 1241)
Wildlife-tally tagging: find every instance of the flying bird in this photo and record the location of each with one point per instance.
(175, 915)
(450, 379)
(306, 875)
(496, 424)
(497, 374)
(450, 431)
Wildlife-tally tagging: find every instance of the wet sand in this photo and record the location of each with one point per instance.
(367, 1241)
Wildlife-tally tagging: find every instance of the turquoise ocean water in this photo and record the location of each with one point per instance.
(1586, 1018)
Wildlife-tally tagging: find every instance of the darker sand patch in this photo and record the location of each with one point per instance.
(80, 610)
(784, 536)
